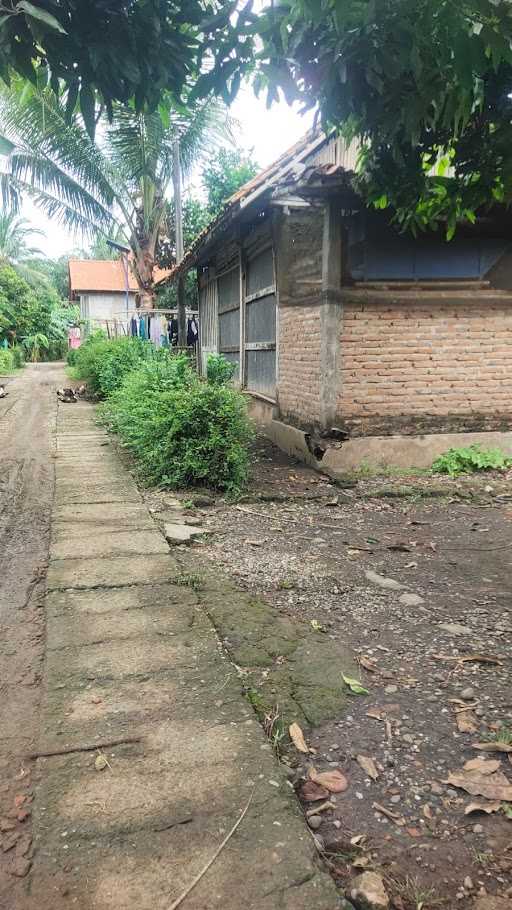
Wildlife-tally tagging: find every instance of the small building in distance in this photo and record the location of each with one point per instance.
(352, 341)
(99, 287)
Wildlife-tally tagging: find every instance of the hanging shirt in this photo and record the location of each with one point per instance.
(191, 332)
(134, 326)
(155, 332)
(142, 327)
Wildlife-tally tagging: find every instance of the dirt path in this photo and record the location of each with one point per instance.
(27, 424)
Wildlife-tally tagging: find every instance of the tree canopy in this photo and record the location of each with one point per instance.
(146, 52)
(424, 84)
(223, 174)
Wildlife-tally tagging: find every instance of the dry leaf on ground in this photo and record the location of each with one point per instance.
(368, 765)
(492, 786)
(100, 762)
(483, 765)
(487, 807)
(311, 791)
(466, 721)
(333, 781)
(297, 738)
(494, 746)
(367, 664)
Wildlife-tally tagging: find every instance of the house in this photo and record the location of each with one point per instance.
(99, 286)
(104, 290)
(353, 341)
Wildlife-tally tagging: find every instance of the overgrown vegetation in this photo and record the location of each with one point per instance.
(10, 359)
(32, 318)
(182, 430)
(103, 364)
(469, 460)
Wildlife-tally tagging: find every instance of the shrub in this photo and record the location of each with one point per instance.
(6, 361)
(18, 356)
(470, 460)
(219, 371)
(103, 364)
(182, 431)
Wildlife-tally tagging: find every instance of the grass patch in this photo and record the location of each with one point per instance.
(189, 580)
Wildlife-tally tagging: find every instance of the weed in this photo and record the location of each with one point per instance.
(189, 580)
(414, 893)
(188, 504)
(503, 735)
(285, 584)
(274, 729)
(482, 859)
(469, 460)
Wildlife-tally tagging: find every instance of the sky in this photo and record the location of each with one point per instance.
(267, 132)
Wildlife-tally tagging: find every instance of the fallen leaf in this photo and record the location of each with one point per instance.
(354, 686)
(427, 811)
(333, 781)
(96, 700)
(357, 839)
(311, 791)
(376, 713)
(368, 765)
(100, 762)
(19, 799)
(411, 565)
(493, 746)
(494, 786)
(367, 664)
(466, 721)
(414, 832)
(487, 807)
(297, 738)
(483, 765)
(360, 862)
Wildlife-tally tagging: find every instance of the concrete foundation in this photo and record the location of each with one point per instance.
(380, 451)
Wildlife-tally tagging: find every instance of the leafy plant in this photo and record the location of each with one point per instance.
(6, 361)
(182, 431)
(469, 460)
(36, 346)
(103, 364)
(219, 371)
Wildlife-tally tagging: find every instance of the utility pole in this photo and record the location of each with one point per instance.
(178, 215)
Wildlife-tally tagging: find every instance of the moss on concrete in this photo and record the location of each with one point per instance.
(286, 664)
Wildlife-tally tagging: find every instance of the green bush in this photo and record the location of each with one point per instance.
(18, 356)
(219, 371)
(469, 460)
(182, 431)
(6, 360)
(103, 364)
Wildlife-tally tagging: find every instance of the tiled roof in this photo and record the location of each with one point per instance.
(103, 275)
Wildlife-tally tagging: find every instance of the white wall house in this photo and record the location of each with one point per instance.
(99, 288)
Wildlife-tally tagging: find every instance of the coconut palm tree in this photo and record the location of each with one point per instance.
(16, 250)
(119, 182)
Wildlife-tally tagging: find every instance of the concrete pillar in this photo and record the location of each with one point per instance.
(331, 312)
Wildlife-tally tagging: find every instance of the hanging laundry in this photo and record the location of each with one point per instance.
(192, 332)
(74, 337)
(142, 327)
(173, 331)
(155, 331)
(134, 326)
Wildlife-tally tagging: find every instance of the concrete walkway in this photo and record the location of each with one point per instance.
(131, 653)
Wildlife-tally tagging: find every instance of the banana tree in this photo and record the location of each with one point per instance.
(119, 182)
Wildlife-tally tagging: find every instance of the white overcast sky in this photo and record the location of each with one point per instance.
(267, 132)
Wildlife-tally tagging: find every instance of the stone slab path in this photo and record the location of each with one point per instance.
(131, 653)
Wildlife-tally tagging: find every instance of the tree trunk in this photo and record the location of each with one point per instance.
(143, 265)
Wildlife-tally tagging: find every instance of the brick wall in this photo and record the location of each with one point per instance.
(418, 358)
(299, 363)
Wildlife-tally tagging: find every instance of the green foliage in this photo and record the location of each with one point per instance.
(143, 51)
(469, 460)
(424, 85)
(225, 172)
(182, 431)
(219, 371)
(33, 316)
(103, 364)
(6, 361)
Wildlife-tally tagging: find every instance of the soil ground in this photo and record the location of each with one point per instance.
(304, 545)
(27, 425)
